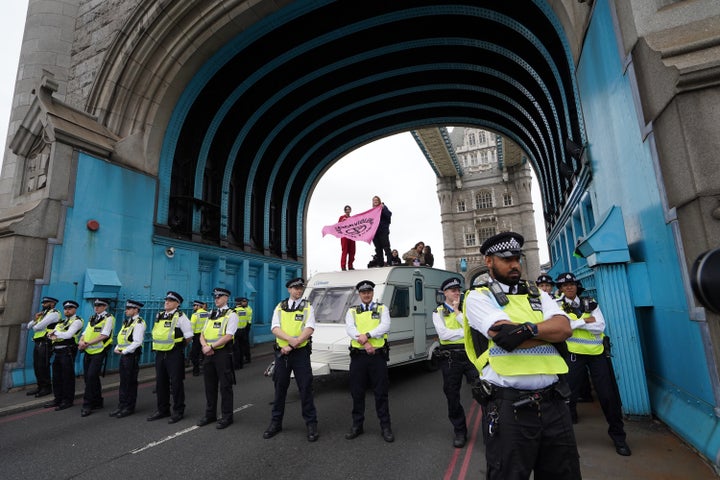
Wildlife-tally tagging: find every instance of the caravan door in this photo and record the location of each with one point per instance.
(419, 314)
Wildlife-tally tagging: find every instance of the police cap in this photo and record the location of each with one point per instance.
(544, 278)
(452, 282)
(174, 296)
(505, 244)
(365, 285)
(70, 304)
(99, 302)
(49, 299)
(134, 304)
(219, 292)
(295, 282)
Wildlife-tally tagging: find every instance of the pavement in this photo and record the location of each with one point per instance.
(657, 453)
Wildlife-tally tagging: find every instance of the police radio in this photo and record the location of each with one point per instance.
(498, 293)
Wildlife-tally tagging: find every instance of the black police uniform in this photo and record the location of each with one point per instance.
(218, 372)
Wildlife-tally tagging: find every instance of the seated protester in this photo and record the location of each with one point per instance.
(414, 256)
(428, 256)
(395, 258)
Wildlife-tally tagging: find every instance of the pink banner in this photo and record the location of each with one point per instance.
(358, 227)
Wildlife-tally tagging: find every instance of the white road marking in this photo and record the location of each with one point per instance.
(181, 432)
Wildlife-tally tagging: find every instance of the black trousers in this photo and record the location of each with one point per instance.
(245, 343)
(605, 387)
(455, 365)
(535, 437)
(129, 369)
(92, 366)
(381, 240)
(369, 370)
(63, 374)
(196, 351)
(297, 362)
(237, 350)
(42, 350)
(170, 378)
(218, 372)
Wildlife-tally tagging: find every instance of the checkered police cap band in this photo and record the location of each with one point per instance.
(99, 302)
(510, 245)
(70, 304)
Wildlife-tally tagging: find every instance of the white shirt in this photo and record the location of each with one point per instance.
(183, 324)
(51, 317)
(483, 311)
(596, 327)
(138, 334)
(445, 333)
(74, 327)
(377, 332)
(232, 323)
(309, 321)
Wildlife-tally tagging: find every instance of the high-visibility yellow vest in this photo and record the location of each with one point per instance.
(64, 326)
(292, 322)
(244, 316)
(542, 359)
(164, 333)
(49, 328)
(450, 319)
(94, 330)
(125, 336)
(216, 328)
(366, 321)
(582, 341)
(197, 320)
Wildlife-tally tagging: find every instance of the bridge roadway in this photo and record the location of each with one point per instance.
(40, 443)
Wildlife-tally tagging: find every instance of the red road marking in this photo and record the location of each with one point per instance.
(475, 413)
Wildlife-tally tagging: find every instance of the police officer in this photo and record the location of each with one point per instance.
(293, 323)
(526, 422)
(129, 346)
(197, 321)
(587, 352)
(545, 283)
(216, 341)
(170, 332)
(238, 350)
(448, 321)
(95, 342)
(64, 340)
(44, 323)
(367, 325)
(244, 313)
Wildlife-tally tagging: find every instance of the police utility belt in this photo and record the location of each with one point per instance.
(451, 351)
(484, 392)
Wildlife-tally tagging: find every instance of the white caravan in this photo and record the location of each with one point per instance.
(411, 294)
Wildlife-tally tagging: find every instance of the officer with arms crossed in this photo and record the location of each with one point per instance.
(367, 325)
(170, 332)
(526, 422)
(293, 323)
(64, 340)
(95, 342)
(216, 341)
(448, 321)
(129, 347)
(43, 324)
(587, 352)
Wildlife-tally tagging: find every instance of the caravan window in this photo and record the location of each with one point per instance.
(418, 290)
(331, 304)
(400, 306)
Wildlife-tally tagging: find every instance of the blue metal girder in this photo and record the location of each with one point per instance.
(210, 68)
